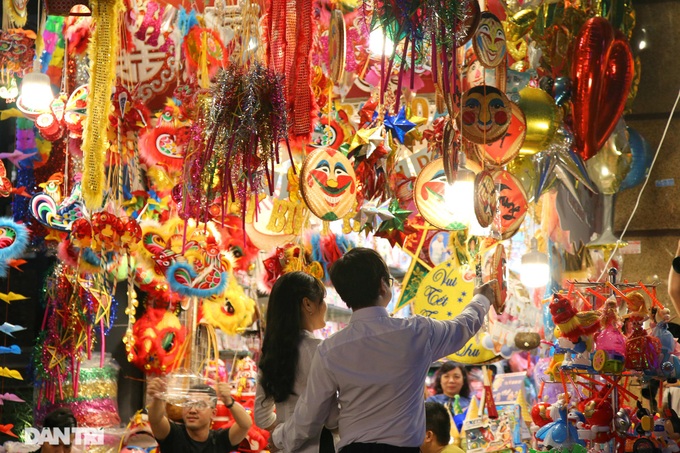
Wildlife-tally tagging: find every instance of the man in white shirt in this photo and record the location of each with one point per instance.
(377, 364)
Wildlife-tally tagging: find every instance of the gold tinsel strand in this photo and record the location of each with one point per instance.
(102, 52)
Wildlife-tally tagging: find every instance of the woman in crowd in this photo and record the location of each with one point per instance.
(451, 380)
(296, 308)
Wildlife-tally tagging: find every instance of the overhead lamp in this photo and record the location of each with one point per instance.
(379, 44)
(535, 270)
(36, 95)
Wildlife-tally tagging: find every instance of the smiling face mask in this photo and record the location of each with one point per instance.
(486, 114)
(489, 41)
(328, 184)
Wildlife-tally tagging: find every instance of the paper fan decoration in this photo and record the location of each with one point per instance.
(336, 46)
(486, 198)
(215, 53)
(512, 204)
(76, 110)
(5, 183)
(328, 184)
(159, 146)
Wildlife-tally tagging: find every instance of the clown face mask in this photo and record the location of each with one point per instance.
(486, 114)
(489, 41)
(328, 184)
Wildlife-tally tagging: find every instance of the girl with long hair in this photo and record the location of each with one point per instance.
(296, 308)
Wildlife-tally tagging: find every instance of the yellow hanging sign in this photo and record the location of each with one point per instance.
(443, 294)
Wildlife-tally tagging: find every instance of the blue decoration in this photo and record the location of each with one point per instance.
(190, 274)
(398, 125)
(642, 159)
(13, 241)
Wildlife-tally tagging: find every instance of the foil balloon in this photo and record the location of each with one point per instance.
(524, 169)
(609, 167)
(562, 90)
(602, 73)
(543, 117)
(642, 156)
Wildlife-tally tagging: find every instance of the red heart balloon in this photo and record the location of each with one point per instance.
(602, 73)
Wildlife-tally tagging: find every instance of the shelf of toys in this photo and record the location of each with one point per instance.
(611, 337)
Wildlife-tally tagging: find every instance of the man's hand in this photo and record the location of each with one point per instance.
(156, 388)
(491, 291)
(223, 391)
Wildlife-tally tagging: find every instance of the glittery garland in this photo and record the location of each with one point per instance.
(96, 413)
(235, 143)
(102, 51)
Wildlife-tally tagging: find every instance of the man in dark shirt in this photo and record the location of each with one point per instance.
(195, 435)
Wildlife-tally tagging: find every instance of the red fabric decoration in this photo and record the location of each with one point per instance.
(289, 44)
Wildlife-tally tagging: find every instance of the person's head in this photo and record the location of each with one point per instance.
(59, 420)
(296, 303)
(451, 380)
(440, 238)
(362, 279)
(200, 408)
(437, 427)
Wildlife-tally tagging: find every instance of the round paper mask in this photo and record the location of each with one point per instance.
(328, 184)
(486, 114)
(429, 194)
(486, 198)
(504, 150)
(512, 204)
(489, 40)
(336, 45)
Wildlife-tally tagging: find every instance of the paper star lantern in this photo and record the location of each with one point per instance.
(398, 125)
(371, 214)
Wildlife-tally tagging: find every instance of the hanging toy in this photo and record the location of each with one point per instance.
(559, 433)
(610, 344)
(13, 241)
(670, 363)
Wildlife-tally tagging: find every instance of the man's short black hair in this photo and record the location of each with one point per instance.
(438, 421)
(60, 418)
(357, 277)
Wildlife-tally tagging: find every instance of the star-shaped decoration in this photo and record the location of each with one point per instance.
(559, 162)
(399, 217)
(398, 125)
(363, 137)
(449, 314)
(371, 214)
(414, 135)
